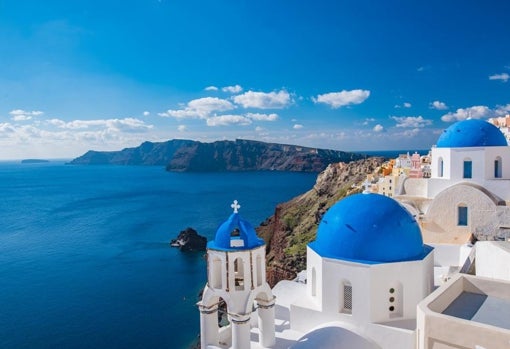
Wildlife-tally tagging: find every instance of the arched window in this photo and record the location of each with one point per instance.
(440, 167)
(215, 274)
(259, 270)
(468, 169)
(498, 173)
(345, 293)
(314, 282)
(239, 274)
(462, 215)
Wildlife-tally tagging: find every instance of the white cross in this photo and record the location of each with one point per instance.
(235, 206)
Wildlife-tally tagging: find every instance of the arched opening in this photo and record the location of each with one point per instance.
(314, 282)
(239, 274)
(224, 328)
(235, 238)
(345, 297)
(462, 215)
(258, 264)
(467, 169)
(498, 168)
(215, 277)
(215, 326)
(395, 299)
(440, 167)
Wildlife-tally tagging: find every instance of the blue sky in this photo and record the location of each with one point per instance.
(348, 75)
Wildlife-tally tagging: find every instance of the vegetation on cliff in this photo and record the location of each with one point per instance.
(294, 223)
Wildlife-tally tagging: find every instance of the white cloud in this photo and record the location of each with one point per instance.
(259, 129)
(368, 120)
(112, 125)
(262, 117)
(146, 113)
(475, 112)
(409, 133)
(343, 98)
(378, 128)
(225, 120)
(200, 108)
(211, 88)
(502, 110)
(404, 105)
(6, 128)
(22, 115)
(411, 121)
(297, 126)
(232, 89)
(181, 128)
(263, 100)
(503, 77)
(58, 138)
(438, 105)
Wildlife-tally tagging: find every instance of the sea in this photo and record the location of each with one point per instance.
(85, 260)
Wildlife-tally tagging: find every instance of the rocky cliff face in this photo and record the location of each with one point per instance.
(148, 153)
(294, 223)
(239, 155)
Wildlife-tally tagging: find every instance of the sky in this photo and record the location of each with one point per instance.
(345, 75)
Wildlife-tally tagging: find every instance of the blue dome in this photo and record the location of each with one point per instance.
(235, 234)
(369, 228)
(471, 133)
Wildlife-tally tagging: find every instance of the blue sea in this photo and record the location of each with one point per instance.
(85, 260)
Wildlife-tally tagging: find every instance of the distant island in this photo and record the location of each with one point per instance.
(239, 155)
(33, 161)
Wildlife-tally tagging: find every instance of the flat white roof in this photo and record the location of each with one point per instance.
(481, 308)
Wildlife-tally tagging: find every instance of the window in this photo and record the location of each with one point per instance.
(259, 270)
(216, 274)
(468, 169)
(314, 282)
(346, 290)
(239, 274)
(440, 168)
(395, 300)
(497, 168)
(462, 216)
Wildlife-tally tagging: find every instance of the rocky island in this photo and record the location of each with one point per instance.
(239, 155)
(34, 161)
(189, 240)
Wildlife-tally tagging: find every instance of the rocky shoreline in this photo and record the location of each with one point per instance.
(189, 240)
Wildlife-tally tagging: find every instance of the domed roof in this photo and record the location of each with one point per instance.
(235, 234)
(369, 228)
(471, 133)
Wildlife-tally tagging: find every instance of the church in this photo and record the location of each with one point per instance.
(383, 272)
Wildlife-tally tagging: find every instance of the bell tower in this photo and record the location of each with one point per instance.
(236, 274)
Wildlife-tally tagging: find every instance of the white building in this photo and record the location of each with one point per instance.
(469, 189)
(370, 276)
(367, 271)
(236, 275)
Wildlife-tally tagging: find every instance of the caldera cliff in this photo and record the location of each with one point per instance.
(238, 155)
(294, 223)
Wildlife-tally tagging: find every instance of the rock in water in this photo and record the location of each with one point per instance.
(189, 240)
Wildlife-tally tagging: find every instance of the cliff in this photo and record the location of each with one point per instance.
(294, 223)
(238, 155)
(148, 153)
